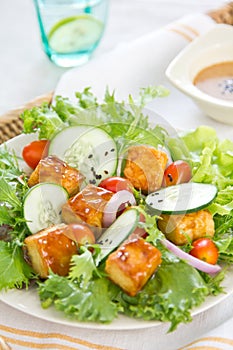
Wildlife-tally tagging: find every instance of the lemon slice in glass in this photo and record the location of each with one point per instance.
(77, 33)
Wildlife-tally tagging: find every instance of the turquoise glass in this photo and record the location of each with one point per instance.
(71, 29)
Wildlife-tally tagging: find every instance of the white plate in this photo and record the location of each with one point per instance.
(28, 300)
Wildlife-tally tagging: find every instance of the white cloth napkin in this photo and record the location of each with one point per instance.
(218, 338)
(133, 65)
(126, 69)
(143, 62)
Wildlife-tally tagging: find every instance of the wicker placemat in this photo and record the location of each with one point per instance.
(224, 14)
(11, 123)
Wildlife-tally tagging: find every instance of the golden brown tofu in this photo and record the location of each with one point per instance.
(145, 168)
(50, 249)
(88, 206)
(132, 264)
(181, 228)
(52, 169)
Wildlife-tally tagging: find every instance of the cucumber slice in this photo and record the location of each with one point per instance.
(77, 33)
(42, 206)
(125, 224)
(89, 149)
(180, 199)
(65, 138)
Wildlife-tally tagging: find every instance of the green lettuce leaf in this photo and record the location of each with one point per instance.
(169, 296)
(117, 118)
(199, 138)
(83, 267)
(92, 302)
(212, 159)
(14, 271)
(85, 295)
(223, 204)
(43, 120)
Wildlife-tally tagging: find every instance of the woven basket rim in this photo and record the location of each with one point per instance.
(11, 124)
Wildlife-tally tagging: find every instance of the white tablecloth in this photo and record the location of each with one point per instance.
(26, 73)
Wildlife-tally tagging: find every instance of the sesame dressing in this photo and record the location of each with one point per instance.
(216, 80)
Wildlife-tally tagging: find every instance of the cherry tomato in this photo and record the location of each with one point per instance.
(116, 184)
(176, 173)
(79, 233)
(34, 152)
(205, 249)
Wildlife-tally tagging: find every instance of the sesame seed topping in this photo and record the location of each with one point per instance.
(93, 182)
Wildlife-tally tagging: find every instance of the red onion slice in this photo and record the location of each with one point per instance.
(197, 263)
(117, 201)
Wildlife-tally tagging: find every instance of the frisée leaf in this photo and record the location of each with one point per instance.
(169, 295)
(14, 271)
(85, 295)
(117, 118)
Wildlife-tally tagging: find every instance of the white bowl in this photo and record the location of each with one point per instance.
(216, 46)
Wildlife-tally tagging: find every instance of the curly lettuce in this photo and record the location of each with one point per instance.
(116, 118)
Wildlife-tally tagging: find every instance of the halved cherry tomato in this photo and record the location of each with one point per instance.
(34, 152)
(116, 184)
(206, 250)
(79, 233)
(176, 173)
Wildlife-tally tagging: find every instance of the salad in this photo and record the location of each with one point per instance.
(113, 214)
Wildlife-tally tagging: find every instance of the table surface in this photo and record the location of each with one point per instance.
(26, 72)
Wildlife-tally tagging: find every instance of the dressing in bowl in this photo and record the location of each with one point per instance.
(204, 72)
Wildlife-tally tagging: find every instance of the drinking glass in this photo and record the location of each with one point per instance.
(71, 29)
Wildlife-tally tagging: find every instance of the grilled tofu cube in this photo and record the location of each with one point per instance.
(50, 249)
(145, 167)
(87, 206)
(132, 264)
(52, 169)
(181, 228)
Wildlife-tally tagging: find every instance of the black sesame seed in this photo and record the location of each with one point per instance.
(93, 171)
(93, 182)
(106, 172)
(90, 156)
(160, 200)
(106, 153)
(112, 150)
